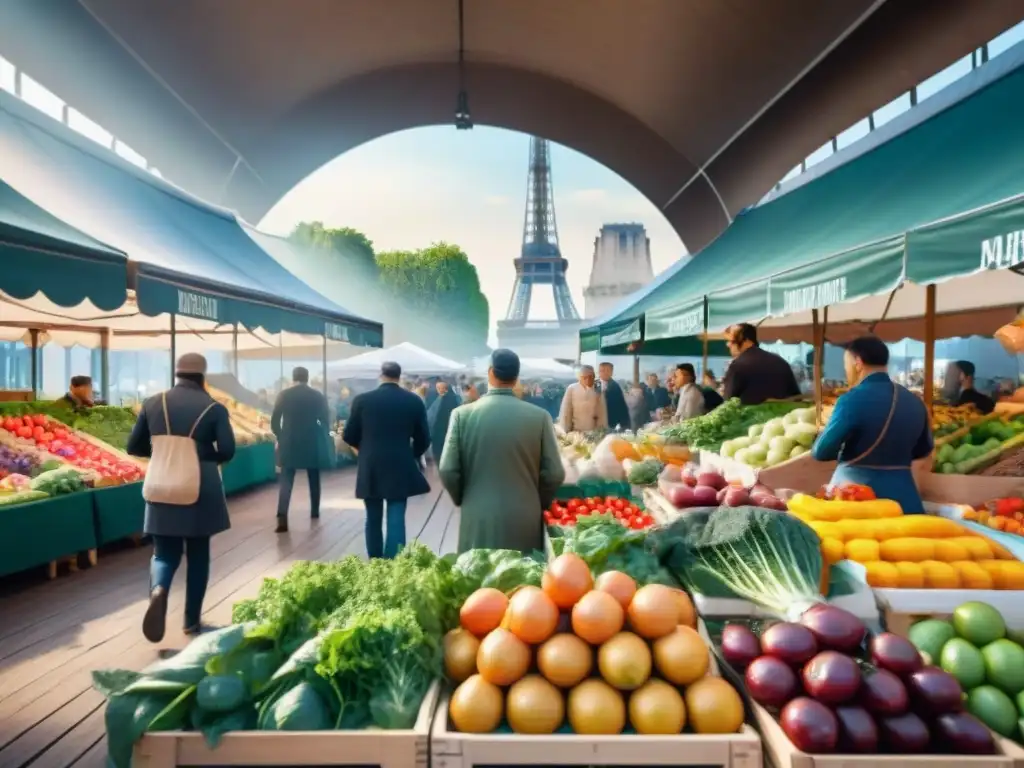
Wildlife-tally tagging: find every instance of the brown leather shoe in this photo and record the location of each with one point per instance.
(154, 623)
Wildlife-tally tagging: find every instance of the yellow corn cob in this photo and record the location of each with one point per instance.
(832, 550)
(832, 511)
(948, 551)
(911, 575)
(907, 550)
(940, 575)
(924, 526)
(977, 546)
(1006, 574)
(861, 550)
(879, 574)
(826, 530)
(972, 575)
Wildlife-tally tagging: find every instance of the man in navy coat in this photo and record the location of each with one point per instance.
(618, 411)
(388, 428)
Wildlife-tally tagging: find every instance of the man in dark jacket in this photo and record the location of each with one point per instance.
(388, 427)
(618, 411)
(301, 422)
(184, 529)
(754, 374)
(439, 414)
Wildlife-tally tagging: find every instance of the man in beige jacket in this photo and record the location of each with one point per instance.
(583, 407)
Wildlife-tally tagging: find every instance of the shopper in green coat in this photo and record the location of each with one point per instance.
(501, 464)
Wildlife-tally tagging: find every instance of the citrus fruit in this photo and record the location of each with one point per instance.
(994, 708)
(654, 611)
(483, 611)
(681, 657)
(1004, 665)
(618, 585)
(930, 635)
(596, 708)
(978, 623)
(502, 658)
(964, 662)
(565, 660)
(476, 706)
(567, 579)
(534, 706)
(687, 613)
(713, 706)
(657, 708)
(597, 617)
(460, 649)
(625, 661)
(531, 616)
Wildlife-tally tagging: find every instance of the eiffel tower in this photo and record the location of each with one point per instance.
(540, 263)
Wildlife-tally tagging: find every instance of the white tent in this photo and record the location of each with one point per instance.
(531, 368)
(414, 361)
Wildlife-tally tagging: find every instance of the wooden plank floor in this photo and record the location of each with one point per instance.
(53, 634)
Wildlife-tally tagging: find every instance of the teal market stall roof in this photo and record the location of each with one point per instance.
(187, 257)
(939, 201)
(39, 253)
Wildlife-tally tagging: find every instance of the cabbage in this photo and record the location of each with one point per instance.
(776, 456)
(756, 453)
(790, 418)
(744, 442)
(728, 448)
(773, 428)
(806, 415)
(798, 450)
(741, 455)
(755, 430)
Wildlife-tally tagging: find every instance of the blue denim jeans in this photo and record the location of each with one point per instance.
(376, 544)
(167, 552)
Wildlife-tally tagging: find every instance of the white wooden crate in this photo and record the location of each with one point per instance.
(387, 749)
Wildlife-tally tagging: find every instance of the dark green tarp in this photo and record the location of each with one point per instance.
(190, 257)
(39, 252)
(868, 221)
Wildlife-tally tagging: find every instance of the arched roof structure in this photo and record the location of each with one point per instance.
(701, 104)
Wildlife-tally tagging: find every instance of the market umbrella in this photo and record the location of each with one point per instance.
(414, 361)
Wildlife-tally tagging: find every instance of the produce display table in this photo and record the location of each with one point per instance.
(603, 488)
(252, 465)
(46, 531)
(119, 512)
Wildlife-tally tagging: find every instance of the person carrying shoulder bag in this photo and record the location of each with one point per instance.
(186, 435)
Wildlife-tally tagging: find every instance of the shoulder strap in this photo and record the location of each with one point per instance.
(206, 410)
(885, 427)
(167, 419)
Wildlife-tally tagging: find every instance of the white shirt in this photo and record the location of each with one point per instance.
(583, 409)
(691, 402)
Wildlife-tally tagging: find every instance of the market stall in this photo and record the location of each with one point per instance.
(414, 361)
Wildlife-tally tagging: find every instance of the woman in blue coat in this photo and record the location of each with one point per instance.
(179, 530)
(877, 429)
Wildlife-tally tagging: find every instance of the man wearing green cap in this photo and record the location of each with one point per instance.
(501, 465)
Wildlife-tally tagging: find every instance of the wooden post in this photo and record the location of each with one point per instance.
(929, 347)
(105, 365)
(174, 347)
(34, 352)
(280, 350)
(636, 370)
(819, 353)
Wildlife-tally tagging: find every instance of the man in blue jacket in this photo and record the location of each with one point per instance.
(618, 411)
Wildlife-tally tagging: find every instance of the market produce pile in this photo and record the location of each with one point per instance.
(343, 645)
(777, 440)
(1005, 514)
(690, 486)
(249, 424)
(570, 511)
(618, 457)
(111, 424)
(907, 551)
(729, 421)
(949, 419)
(975, 647)
(605, 544)
(609, 656)
(983, 445)
(835, 690)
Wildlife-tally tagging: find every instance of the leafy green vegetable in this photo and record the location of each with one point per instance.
(298, 709)
(503, 569)
(221, 693)
(767, 557)
(645, 472)
(57, 482)
(606, 545)
(730, 419)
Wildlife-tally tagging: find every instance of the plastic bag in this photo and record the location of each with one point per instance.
(608, 465)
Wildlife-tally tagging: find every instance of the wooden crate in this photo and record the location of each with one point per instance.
(1012, 750)
(387, 749)
(782, 754)
(451, 749)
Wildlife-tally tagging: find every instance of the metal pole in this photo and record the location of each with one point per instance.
(929, 347)
(325, 365)
(105, 365)
(34, 340)
(234, 350)
(174, 351)
(280, 350)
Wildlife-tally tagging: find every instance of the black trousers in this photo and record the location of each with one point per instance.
(287, 482)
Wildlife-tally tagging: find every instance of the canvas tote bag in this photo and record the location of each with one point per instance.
(173, 473)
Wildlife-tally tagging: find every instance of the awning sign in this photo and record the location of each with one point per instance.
(192, 304)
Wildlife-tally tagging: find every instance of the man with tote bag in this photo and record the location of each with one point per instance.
(187, 435)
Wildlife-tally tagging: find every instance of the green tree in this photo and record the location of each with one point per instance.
(440, 290)
(348, 248)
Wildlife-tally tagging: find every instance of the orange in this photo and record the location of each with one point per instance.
(566, 580)
(597, 617)
(713, 706)
(681, 657)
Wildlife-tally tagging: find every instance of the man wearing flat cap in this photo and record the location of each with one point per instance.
(501, 465)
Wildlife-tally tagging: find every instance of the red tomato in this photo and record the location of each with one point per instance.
(598, 510)
(580, 511)
(39, 420)
(618, 503)
(573, 503)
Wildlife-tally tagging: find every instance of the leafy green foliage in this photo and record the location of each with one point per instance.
(606, 545)
(343, 249)
(729, 420)
(767, 557)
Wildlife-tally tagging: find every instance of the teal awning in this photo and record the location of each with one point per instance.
(39, 252)
(940, 200)
(188, 257)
